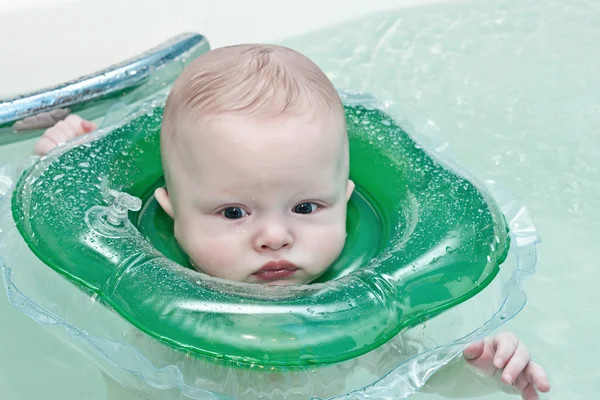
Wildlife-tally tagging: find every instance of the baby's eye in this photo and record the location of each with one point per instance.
(234, 213)
(305, 208)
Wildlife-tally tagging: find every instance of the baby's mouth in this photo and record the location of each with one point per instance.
(276, 270)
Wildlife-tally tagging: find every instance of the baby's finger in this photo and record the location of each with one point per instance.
(536, 375)
(78, 125)
(61, 132)
(44, 145)
(75, 122)
(505, 345)
(88, 126)
(525, 388)
(529, 392)
(516, 365)
(474, 350)
(56, 135)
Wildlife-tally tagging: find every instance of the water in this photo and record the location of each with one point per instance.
(514, 87)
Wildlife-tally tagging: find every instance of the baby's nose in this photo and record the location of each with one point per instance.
(273, 236)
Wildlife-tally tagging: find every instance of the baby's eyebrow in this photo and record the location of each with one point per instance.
(216, 201)
(203, 201)
(327, 196)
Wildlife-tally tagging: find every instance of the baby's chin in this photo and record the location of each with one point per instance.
(282, 283)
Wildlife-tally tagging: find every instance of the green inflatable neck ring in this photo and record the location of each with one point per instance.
(421, 239)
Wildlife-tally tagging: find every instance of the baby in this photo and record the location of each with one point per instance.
(255, 154)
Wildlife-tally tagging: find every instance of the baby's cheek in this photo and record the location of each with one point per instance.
(211, 255)
(329, 244)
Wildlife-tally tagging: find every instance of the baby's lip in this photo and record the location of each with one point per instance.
(275, 270)
(278, 265)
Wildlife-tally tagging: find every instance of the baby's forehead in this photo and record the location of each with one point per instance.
(240, 140)
(310, 129)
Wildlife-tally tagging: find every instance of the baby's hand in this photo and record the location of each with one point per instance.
(62, 132)
(505, 351)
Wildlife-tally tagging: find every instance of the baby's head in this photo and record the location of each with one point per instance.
(255, 153)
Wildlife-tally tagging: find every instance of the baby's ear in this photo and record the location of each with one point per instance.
(162, 196)
(349, 189)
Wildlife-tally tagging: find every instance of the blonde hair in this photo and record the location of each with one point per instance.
(249, 79)
(265, 80)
